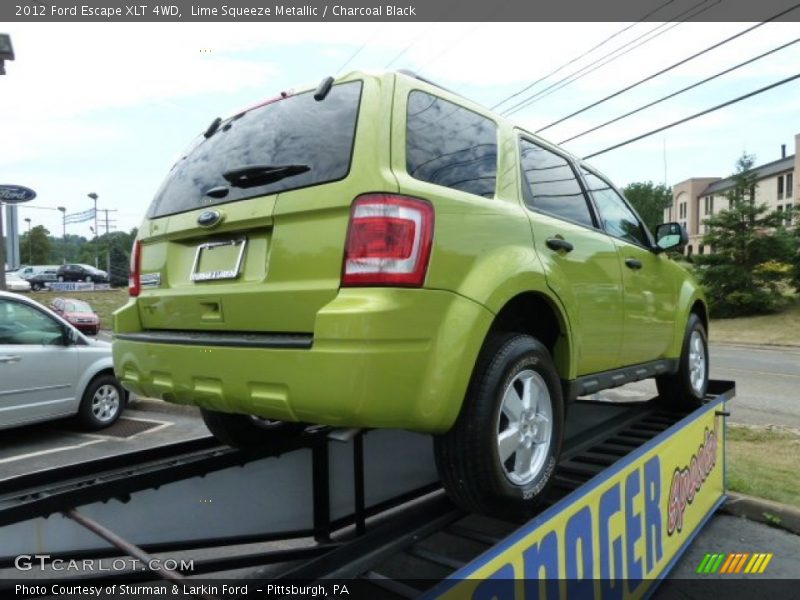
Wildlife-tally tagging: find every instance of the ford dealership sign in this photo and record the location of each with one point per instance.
(16, 194)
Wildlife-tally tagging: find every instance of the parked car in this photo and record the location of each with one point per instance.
(33, 270)
(40, 280)
(15, 283)
(77, 313)
(381, 252)
(78, 272)
(49, 370)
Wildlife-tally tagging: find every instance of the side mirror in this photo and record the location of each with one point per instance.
(671, 236)
(70, 337)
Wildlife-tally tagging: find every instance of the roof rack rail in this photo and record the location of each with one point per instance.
(410, 73)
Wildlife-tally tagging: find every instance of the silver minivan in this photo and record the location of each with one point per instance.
(49, 370)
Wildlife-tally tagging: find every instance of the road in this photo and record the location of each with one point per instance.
(767, 383)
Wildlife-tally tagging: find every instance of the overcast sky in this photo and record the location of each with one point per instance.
(108, 107)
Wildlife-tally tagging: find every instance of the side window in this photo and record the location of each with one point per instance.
(549, 184)
(451, 146)
(618, 220)
(21, 324)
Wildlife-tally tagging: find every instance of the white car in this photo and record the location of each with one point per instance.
(33, 270)
(49, 370)
(15, 283)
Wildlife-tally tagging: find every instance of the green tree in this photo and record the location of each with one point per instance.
(750, 251)
(649, 199)
(34, 246)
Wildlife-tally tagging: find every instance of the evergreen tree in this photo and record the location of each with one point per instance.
(750, 251)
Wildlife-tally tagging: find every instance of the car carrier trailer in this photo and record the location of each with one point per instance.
(634, 485)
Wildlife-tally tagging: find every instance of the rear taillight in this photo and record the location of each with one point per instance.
(388, 241)
(134, 279)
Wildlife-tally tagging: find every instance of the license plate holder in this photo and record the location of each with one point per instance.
(218, 260)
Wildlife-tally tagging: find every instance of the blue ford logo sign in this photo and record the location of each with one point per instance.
(209, 218)
(16, 194)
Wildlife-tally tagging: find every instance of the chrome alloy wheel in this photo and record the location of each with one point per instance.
(524, 427)
(697, 362)
(105, 403)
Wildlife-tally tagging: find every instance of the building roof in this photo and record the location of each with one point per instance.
(761, 172)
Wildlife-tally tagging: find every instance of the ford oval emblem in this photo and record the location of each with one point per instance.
(209, 218)
(16, 194)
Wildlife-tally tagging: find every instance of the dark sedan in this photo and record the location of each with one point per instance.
(77, 272)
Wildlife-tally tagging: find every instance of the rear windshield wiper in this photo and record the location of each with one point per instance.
(254, 175)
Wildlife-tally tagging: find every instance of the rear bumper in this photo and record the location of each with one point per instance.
(378, 358)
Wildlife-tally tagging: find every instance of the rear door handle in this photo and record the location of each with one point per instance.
(10, 359)
(634, 264)
(559, 244)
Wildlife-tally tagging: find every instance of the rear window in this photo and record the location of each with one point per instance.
(451, 146)
(296, 130)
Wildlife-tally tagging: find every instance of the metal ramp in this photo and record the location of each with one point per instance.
(367, 507)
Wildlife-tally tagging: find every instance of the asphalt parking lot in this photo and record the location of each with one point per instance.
(144, 424)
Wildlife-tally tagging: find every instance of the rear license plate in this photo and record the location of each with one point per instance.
(218, 260)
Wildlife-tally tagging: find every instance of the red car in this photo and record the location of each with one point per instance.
(77, 313)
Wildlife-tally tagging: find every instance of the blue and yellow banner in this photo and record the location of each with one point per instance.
(615, 535)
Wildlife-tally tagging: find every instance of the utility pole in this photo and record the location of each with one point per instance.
(93, 196)
(63, 211)
(108, 240)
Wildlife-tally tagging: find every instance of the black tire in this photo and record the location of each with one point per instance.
(468, 457)
(102, 403)
(36, 286)
(246, 432)
(88, 279)
(60, 278)
(679, 391)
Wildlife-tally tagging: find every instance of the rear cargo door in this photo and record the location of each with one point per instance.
(247, 233)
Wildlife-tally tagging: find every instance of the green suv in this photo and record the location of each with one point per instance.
(381, 252)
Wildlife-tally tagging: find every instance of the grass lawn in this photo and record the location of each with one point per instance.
(762, 462)
(782, 328)
(104, 303)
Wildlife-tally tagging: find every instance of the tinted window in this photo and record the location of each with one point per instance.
(24, 325)
(296, 130)
(451, 146)
(549, 184)
(617, 218)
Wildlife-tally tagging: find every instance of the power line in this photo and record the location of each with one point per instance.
(408, 47)
(354, 54)
(686, 89)
(612, 56)
(662, 71)
(577, 58)
(694, 116)
(502, 5)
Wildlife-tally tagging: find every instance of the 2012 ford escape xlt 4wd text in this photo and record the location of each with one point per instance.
(381, 252)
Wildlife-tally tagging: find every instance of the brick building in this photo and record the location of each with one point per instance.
(698, 198)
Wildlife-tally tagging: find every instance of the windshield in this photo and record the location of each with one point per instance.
(76, 306)
(295, 131)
